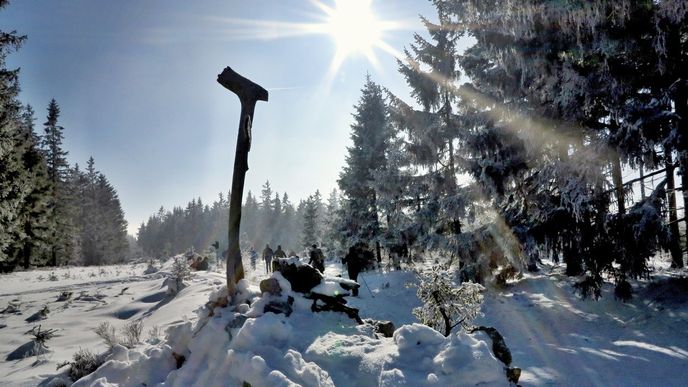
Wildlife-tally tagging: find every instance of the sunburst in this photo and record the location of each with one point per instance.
(352, 25)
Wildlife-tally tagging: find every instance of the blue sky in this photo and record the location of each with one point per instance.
(136, 82)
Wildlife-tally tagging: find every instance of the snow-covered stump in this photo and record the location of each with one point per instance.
(501, 352)
(327, 293)
(302, 277)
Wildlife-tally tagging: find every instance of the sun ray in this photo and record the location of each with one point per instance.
(352, 26)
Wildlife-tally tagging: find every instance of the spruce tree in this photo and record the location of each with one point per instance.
(12, 188)
(310, 223)
(61, 226)
(114, 230)
(266, 214)
(430, 137)
(32, 243)
(582, 89)
(331, 226)
(370, 134)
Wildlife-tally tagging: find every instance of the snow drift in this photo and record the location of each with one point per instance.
(241, 343)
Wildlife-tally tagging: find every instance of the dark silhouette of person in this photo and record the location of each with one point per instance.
(317, 259)
(267, 257)
(353, 261)
(279, 253)
(254, 257)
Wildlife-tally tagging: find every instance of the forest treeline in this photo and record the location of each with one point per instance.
(270, 219)
(51, 213)
(524, 161)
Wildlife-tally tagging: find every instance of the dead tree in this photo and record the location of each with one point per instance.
(249, 93)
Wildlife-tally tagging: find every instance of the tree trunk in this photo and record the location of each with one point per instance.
(235, 267)
(574, 263)
(641, 171)
(618, 184)
(674, 242)
(445, 317)
(681, 102)
(378, 252)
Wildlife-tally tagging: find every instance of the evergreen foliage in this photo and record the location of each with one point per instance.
(13, 189)
(273, 220)
(526, 160)
(50, 213)
(310, 222)
(370, 134)
(446, 305)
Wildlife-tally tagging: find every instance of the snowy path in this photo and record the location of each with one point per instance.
(559, 339)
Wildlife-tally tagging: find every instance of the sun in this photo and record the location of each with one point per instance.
(354, 28)
(352, 25)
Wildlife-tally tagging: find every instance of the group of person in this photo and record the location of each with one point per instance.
(356, 259)
(269, 254)
(317, 258)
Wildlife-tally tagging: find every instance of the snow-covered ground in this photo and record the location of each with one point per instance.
(555, 337)
(117, 294)
(559, 339)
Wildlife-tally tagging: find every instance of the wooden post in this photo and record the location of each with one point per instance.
(249, 93)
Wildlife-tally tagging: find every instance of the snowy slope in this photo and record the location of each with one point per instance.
(559, 339)
(103, 299)
(304, 348)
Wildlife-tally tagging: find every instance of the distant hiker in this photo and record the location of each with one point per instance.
(279, 253)
(354, 263)
(267, 257)
(317, 258)
(203, 263)
(254, 257)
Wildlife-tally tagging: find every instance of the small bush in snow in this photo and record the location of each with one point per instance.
(132, 333)
(53, 277)
(154, 335)
(180, 271)
(445, 305)
(107, 332)
(40, 336)
(84, 362)
(151, 268)
(129, 336)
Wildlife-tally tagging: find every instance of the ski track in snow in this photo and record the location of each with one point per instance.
(554, 336)
(82, 285)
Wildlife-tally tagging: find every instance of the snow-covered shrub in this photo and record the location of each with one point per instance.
(40, 336)
(132, 333)
(36, 347)
(445, 305)
(83, 363)
(154, 335)
(53, 277)
(107, 332)
(129, 336)
(180, 271)
(151, 269)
